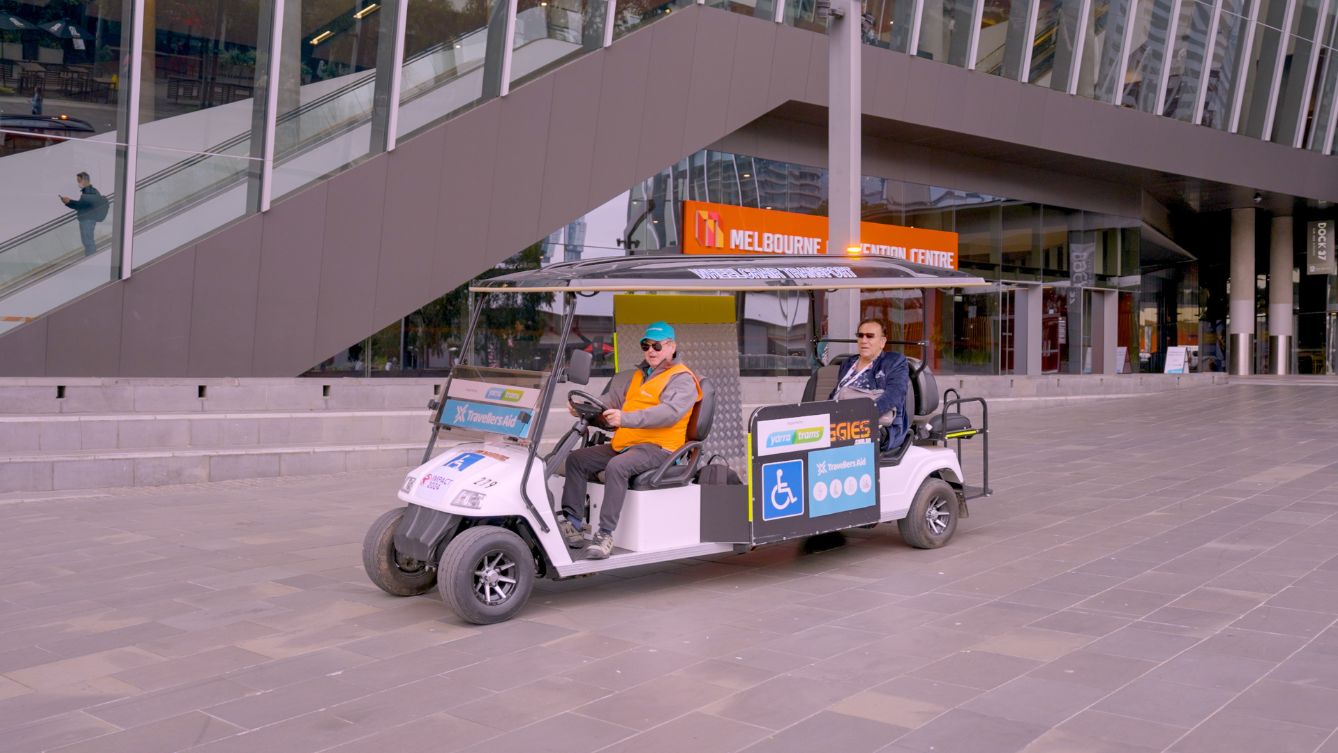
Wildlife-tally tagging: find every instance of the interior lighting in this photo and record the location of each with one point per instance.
(746, 175)
(324, 35)
(360, 14)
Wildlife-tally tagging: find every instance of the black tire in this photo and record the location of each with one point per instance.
(394, 575)
(932, 519)
(474, 574)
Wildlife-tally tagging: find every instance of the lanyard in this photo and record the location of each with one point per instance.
(853, 375)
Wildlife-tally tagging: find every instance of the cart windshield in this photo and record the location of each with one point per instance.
(482, 401)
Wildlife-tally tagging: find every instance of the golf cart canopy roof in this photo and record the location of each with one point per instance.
(728, 273)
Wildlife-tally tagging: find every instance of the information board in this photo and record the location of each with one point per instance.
(813, 468)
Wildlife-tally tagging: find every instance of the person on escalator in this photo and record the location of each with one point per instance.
(884, 376)
(649, 409)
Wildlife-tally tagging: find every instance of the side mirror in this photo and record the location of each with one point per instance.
(578, 368)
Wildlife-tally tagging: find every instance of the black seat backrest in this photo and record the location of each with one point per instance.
(703, 413)
(824, 380)
(924, 387)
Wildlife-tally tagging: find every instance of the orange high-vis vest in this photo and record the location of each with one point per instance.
(647, 395)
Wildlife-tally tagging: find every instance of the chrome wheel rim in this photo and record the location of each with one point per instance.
(495, 578)
(937, 515)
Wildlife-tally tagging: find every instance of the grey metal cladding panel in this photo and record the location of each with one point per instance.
(84, 337)
(921, 90)
(155, 317)
(23, 350)
(754, 46)
(223, 301)
(466, 200)
(1003, 109)
(978, 115)
(790, 65)
(670, 78)
(622, 98)
(408, 230)
(1066, 123)
(522, 141)
(571, 144)
(344, 312)
(290, 264)
(1030, 115)
(815, 88)
(890, 72)
(951, 99)
(707, 89)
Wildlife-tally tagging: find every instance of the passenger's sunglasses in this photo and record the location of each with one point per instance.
(869, 335)
(647, 345)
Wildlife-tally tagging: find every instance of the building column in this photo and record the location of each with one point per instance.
(1240, 356)
(1105, 331)
(1027, 330)
(1280, 297)
(843, 155)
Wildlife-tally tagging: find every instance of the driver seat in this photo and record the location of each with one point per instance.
(681, 467)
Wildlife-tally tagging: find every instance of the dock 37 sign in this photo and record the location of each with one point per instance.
(1319, 250)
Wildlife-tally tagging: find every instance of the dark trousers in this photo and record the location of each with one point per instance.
(618, 467)
(86, 228)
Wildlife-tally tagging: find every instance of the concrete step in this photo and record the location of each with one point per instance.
(93, 469)
(142, 431)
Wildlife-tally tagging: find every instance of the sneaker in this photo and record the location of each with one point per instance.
(601, 546)
(574, 538)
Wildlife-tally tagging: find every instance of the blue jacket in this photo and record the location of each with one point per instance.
(891, 373)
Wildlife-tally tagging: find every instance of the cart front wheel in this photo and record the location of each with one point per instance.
(486, 575)
(932, 519)
(391, 572)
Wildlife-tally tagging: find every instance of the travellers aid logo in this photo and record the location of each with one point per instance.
(707, 229)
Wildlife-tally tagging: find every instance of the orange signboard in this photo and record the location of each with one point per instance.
(723, 229)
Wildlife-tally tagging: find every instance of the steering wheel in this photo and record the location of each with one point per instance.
(588, 407)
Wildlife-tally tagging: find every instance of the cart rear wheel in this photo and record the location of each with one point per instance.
(932, 519)
(486, 575)
(392, 573)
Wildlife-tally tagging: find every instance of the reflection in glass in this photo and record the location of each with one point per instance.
(1003, 37)
(774, 334)
(945, 31)
(630, 15)
(975, 319)
(1296, 86)
(326, 85)
(1261, 69)
(1021, 240)
(444, 42)
(1322, 102)
(1054, 44)
(1219, 94)
(1186, 64)
(1103, 49)
(196, 113)
(979, 231)
(1147, 54)
(891, 23)
(62, 106)
(803, 14)
(549, 33)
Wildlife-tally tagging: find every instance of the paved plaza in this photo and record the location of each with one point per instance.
(1153, 573)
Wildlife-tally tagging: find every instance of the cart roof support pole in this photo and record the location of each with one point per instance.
(843, 154)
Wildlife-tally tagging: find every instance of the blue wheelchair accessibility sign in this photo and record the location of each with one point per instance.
(782, 489)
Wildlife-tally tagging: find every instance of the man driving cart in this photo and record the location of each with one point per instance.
(650, 407)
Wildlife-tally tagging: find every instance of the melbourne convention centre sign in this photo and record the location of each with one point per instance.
(723, 229)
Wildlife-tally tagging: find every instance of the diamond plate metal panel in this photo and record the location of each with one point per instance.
(712, 352)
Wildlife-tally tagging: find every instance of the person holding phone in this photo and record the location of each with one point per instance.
(90, 208)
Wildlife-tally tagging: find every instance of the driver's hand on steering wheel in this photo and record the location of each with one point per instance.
(613, 417)
(572, 411)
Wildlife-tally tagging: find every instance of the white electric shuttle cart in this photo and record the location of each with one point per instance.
(479, 518)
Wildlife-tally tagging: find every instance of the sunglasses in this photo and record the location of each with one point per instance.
(869, 335)
(647, 345)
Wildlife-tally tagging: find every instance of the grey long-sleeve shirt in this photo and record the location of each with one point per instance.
(676, 399)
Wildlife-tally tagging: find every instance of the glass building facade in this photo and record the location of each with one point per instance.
(189, 116)
(1066, 254)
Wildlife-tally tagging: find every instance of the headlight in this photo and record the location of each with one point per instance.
(407, 486)
(469, 499)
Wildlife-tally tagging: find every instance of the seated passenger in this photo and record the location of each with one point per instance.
(651, 405)
(882, 375)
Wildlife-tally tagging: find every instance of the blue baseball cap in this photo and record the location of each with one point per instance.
(658, 331)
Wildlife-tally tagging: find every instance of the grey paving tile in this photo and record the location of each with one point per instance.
(1036, 701)
(1165, 702)
(1285, 621)
(55, 732)
(565, 733)
(1138, 643)
(276, 674)
(779, 702)
(305, 734)
(164, 736)
(964, 731)
(977, 669)
(1227, 733)
(827, 730)
(440, 733)
(1138, 733)
(655, 702)
(1094, 670)
(1209, 670)
(150, 707)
